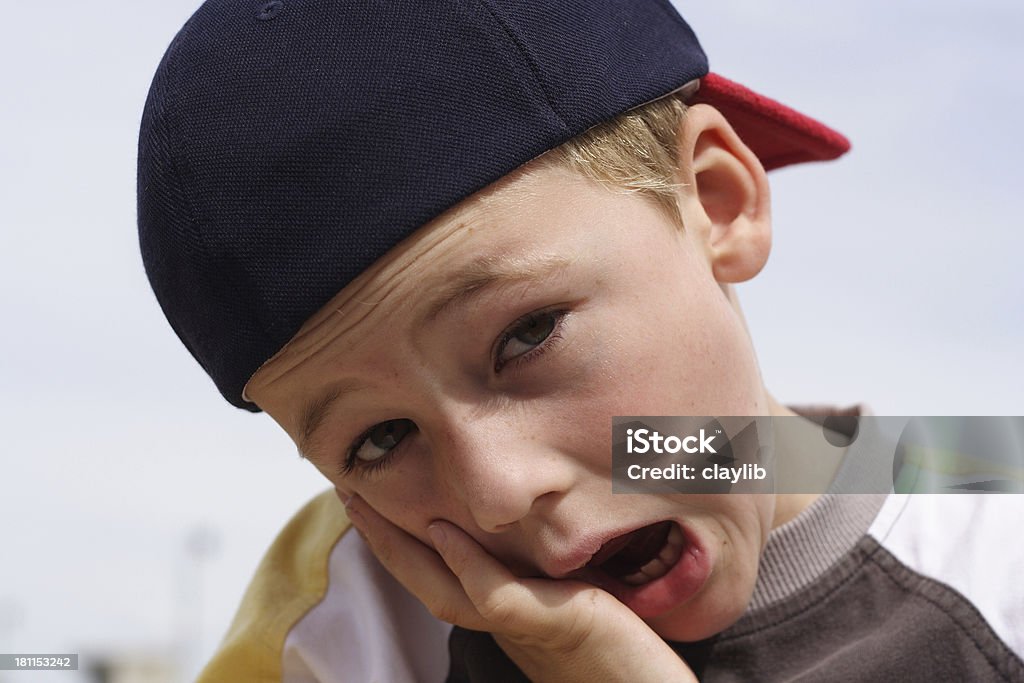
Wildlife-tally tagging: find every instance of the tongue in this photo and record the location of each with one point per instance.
(630, 552)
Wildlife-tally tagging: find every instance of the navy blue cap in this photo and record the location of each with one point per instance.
(285, 146)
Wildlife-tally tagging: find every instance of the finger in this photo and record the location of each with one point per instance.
(415, 566)
(533, 607)
(557, 630)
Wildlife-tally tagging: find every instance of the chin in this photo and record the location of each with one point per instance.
(706, 615)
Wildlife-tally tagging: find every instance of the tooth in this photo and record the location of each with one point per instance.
(660, 565)
(669, 554)
(654, 569)
(635, 579)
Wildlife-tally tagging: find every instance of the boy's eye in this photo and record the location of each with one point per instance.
(526, 334)
(381, 438)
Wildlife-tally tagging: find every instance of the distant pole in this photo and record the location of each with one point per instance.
(12, 614)
(202, 543)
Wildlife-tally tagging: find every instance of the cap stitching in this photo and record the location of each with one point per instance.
(171, 83)
(174, 131)
(529, 60)
(161, 119)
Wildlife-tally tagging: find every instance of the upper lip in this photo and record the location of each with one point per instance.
(567, 564)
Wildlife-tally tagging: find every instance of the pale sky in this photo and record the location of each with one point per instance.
(895, 280)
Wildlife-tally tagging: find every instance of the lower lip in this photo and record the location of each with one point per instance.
(681, 583)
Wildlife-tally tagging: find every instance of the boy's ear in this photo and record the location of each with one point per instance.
(724, 197)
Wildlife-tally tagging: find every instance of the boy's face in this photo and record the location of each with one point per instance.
(472, 373)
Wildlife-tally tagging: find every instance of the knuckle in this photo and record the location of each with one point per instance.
(499, 609)
(572, 636)
(444, 611)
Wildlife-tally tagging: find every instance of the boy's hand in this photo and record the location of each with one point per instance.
(554, 630)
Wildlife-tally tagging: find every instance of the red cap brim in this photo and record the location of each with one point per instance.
(778, 135)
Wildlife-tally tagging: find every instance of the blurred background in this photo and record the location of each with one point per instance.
(135, 503)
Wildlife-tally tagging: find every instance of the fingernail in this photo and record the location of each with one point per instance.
(353, 513)
(438, 536)
(343, 497)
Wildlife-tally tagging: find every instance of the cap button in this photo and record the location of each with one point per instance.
(270, 10)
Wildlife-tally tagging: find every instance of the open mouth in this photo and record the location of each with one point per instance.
(653, 569)
(643, 555)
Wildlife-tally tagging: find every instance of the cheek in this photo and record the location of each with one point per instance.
(743, 526)
(659, 366)
(408, 497)
(682, 372)
(687, 356)
(751, 517)
(681, 349)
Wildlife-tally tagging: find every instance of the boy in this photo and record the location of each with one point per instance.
(442, 245)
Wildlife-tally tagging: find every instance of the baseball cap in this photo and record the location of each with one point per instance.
(287, 145)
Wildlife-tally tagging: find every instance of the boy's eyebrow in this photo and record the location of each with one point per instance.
(457, 288)
(487, 273)
(315, 412)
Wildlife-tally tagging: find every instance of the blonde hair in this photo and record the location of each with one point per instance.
(635, 152)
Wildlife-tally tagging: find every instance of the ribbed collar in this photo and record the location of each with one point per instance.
(801, 550)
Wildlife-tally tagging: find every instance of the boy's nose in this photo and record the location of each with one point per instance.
(502, 474)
